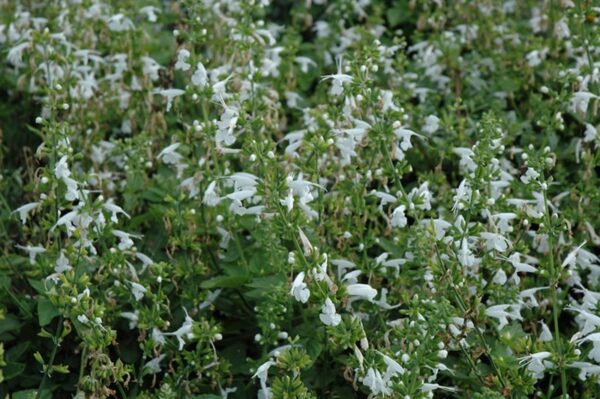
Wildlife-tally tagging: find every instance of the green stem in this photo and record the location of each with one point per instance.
(56, 340)
(463, 309)
(554, 279)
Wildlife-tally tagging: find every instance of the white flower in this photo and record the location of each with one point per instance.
(530, 294)
(226, 126)
(530, 174)
(125, 239)
(150, 12)
(586, 368)
(169, 155)
(499, 277)
(61, 169)
(432, 387)
(169, 94)
(362, 291)
(590, 321)
(150, 68)
(580, 101)
(263, 374)
(537, 363)
(339, 79)
(119, 23)
(329, 315)
(545, 335)
(15, 54)
(594, 354)
(211, 198)
(503, 312)
(62, 263)
(114, 210)
(405, 144)
(200, 77)
(304, 63)
(432, 124)
(182, 57)
(572, 256)
(32, 251)
(184, 331)
(153, 366)
(137, 290)
(158, 336)
(398, 217)
(299, 289)
(495, 241)
(375, 382)
(24, 210)
(133, 318)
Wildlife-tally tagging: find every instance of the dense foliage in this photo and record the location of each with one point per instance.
(299, 199)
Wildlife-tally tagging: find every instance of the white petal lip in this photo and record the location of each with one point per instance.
(362, 290)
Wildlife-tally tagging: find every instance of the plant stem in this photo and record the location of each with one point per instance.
(56, 340)
(554, 279)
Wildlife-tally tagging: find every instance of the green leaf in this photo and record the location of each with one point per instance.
(61, 368)
(46, 311)
(26, 394)
(37, 285)
(224, 282)
(9, 324)
(13, 370)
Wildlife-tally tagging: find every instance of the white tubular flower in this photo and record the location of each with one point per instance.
(433, 387)
(537, 363)
(288, 201)
(137, 290)
(200, 77)
(211, 198)
(184, 331)
(375, 382)
(432, 124)
(169, 94)
(150, 13)
(503, 313)
(262, 373)
(182, 57)
(361, 291)
(299, 289)
(586, 369)
(61, 169)
(114, 210)
(530, 174)
(398, 217)
(120, 23)
(62, 264)
(133, 318)
(571, 258)
(339, 79)
(32, 251)
(545, 335)
(169, 155)
(495, 241)
(328, 315)
(595, 340)
(24, 210)
(153, 366)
